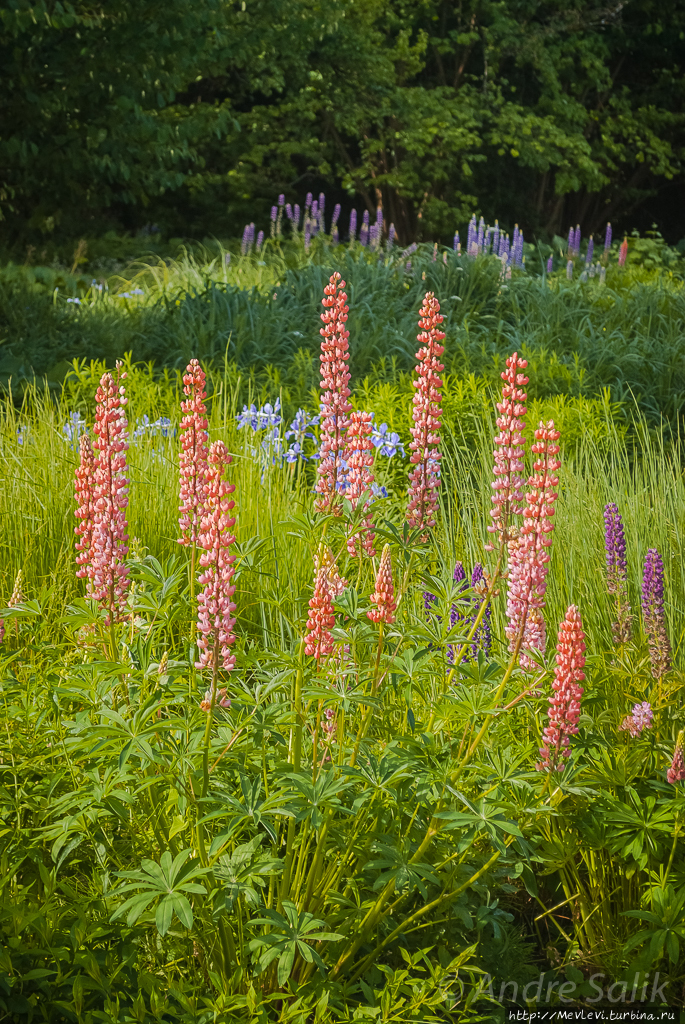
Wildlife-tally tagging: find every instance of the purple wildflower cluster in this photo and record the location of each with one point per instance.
(482, 638)
(574, 242)
(310, 222)
(653, 616)
(617, 572)
(484, 241)
(248, 239)
(387, 441)
(641, 718)
(653, 613)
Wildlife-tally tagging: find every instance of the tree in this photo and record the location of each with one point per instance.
(545, 111)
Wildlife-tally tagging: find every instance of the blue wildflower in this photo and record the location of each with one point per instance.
(73, 428)
(389, 444)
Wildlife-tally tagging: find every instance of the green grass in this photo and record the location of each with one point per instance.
(36, 503)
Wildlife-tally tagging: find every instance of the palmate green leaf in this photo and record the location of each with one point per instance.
(242, 870)
(484, 815)
(170, 905)
(133, 907)
(673, 948)
(289, 932)
(285, 963)
(169, 881)
(318, 797)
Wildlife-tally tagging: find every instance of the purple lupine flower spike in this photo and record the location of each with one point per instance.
(289, 211)
(458, 577)
(495, 239)
(428, 601)
(469, 236)
(571, 240)
(274, 214)
(281, 200)
(364, 231)
(654, 615)
(260, 239)
(307, 233)
(550, 264)
(482, 638)
(607, 238)
(391, 236)
(336, 215)
(617, 572)
(590, 250)
(615, 545)
(353, 225)
(246, 240)
(296, 216)
(519, 249)
(308, 201)
(576, 240)
(457, 243)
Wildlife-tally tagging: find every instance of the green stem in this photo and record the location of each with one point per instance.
(500, 690)
(367, 717)
(294, 756)
(210, 717)
(672, 855)
(440, 901)
(459, 654)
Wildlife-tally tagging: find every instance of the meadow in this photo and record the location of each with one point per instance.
(343, 798)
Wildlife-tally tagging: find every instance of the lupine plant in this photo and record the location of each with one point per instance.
(481, 240)
(310, 759)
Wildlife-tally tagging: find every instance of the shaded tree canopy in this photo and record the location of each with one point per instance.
(195, 115)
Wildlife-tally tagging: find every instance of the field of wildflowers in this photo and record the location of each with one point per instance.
(358, 712)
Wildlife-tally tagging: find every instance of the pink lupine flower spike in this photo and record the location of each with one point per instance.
(193, 457)
(508, 486)
(383, 596)
(564, 711)
(106, 567)
(335, 394)
(215, 601)
(424, 479)
(529, 554)
(359, 457)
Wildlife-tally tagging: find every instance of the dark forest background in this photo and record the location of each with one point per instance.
(190, 117)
